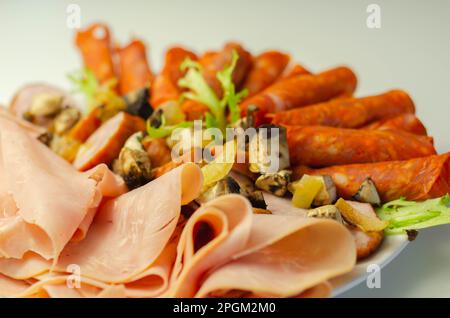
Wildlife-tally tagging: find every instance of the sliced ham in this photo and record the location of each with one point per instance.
(10, 287)
(32, 129)
(282, 206)
(137, 244)
(299, 255)
(216, 232)
(130, 233)
(48, 199)
(22, 100)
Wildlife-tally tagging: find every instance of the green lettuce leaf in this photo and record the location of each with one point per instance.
(404, 215)
(163, 131)
(84, 82)
(230, 97)
(200, 91)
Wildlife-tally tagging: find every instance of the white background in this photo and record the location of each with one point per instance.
(411, 51)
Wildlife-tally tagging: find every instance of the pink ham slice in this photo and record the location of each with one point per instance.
(299, 255)
(137, 245)
(216, 232)
(52, 201)
(22, 100)
(130, 238)
(282, 206)
(32, 129)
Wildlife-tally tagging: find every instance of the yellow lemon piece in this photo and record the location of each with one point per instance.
(220, 167)
(305, 190)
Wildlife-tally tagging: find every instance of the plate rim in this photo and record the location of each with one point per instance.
(384, 261)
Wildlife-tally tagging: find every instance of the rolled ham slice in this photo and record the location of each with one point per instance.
(104, 145)
(216, 232)
(415, 179)
(320, 146)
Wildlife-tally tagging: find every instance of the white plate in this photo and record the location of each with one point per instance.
(390, 249)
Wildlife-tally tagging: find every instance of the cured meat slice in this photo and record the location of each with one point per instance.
(104, 145)
(415, 179)
(130, 233)
(348, 112)
(165, 87)
(95, 46)
(23, 98)
(302, 90)
(34, 130)
(320, 146)
(213, 234)
(134, 70)
(86, 126)
(301, 254)
(297, 69)
(49, 200)
(406, 122)
(216, 62)
(267, 68)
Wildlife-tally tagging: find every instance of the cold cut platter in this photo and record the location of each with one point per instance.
(227, 173)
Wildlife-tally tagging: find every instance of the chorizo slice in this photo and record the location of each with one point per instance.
(267, 68)
(296, 70)
(320, 146)
(349, 112)
(105, 144)
(406, 122)
(134, 69)
(95, 46)
(165, 87)
(414, 179)
(300, 91)
(193, 109)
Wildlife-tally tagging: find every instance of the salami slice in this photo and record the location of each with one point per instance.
(302, 90)
(405, 122)
(415, 179)
(349, 112)
(320, 146)
(134, 70)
